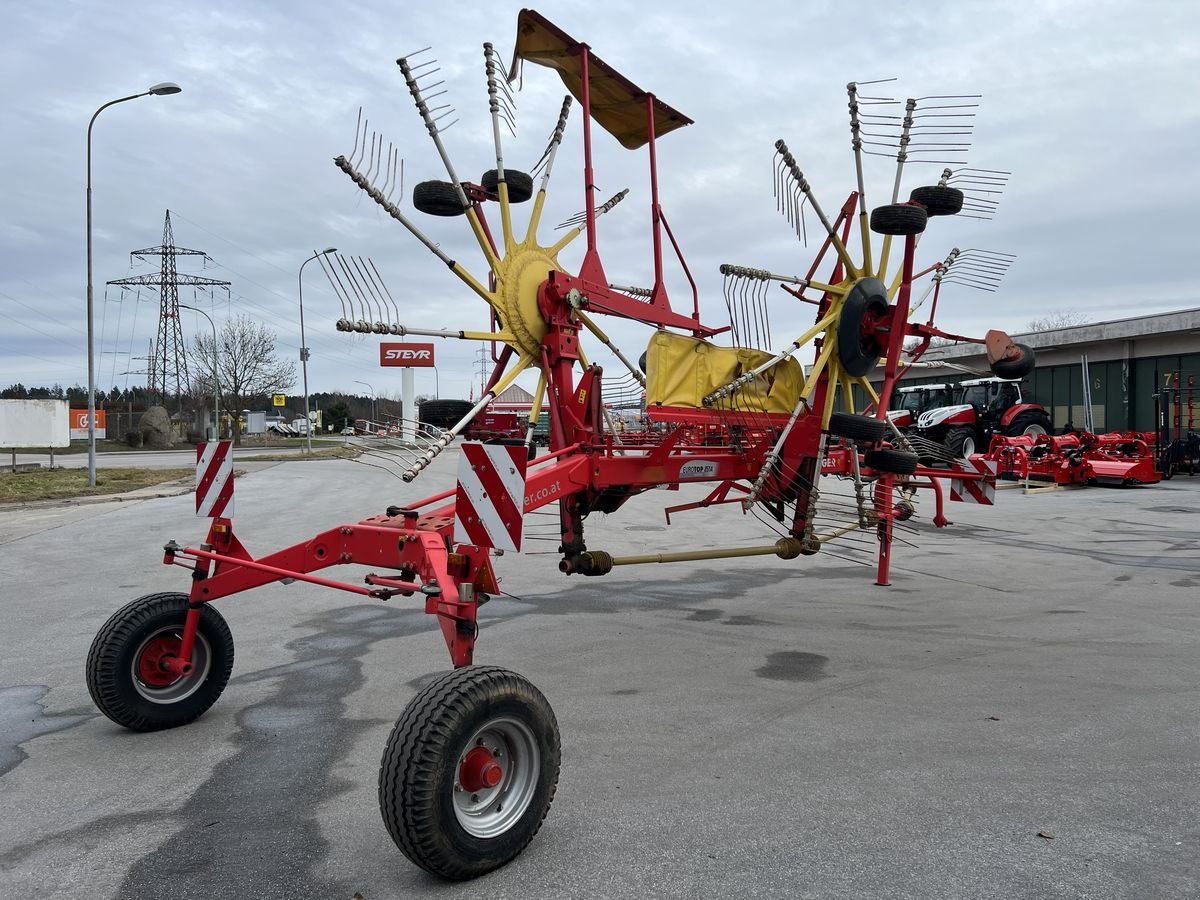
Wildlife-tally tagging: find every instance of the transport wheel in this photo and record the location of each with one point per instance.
(1031, 423)
(858, 428)
(125, 675)
(437, 198)
(1016, 368)
(901, 462)
(469, 771)
(961, 442)
(520, 185)
(858, 346)
(898, 219)
(938, 199)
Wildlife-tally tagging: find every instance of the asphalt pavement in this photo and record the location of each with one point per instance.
(1016, 716)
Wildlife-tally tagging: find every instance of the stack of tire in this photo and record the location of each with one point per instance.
(443, 413)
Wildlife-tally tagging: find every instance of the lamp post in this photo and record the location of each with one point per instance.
(373, 398)
(303, 348)
(216, 379)
(159, 90)
(437, 383)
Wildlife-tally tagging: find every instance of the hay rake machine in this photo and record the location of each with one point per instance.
(471, 766)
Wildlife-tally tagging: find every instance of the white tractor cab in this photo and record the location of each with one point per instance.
(910, 402)
(982, 407)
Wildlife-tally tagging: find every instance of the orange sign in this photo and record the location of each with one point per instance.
(79, 424)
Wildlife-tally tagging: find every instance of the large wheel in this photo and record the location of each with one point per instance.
(938, 199)
(125, 673)
(858, 344)
(520, 185)
(898, 219)
(1016, 368)
(1031, 423)
(857, 428)
(469, 771)
(443, 413)
(961, 441)
(437, 198)
(885, 459)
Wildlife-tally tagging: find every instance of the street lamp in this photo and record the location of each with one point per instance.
(303, 348)
(216, 380)
(159, 90)
(373, 398)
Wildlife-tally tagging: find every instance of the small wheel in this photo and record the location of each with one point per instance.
(858, 344)
(857, 428)
(1016, 368)
(437, 198)
(885, 459)
(469, 771)
(938, 199)
(443, 413)
(899, 219)
(520, 185)
(961, 442)
(125, 673)
(1031, 423)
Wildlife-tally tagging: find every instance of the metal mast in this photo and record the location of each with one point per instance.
(168, 374)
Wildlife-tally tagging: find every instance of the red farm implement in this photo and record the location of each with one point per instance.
(471, 766)
(1116, 458)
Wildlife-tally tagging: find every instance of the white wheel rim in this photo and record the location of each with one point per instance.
(491, 811)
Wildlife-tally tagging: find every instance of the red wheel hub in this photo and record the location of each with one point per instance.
(479, 770)
(152, 664)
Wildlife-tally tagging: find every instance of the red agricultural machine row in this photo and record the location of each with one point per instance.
(471, 766)
(1117, 458)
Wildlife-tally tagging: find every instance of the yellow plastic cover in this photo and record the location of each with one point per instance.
(618, 105)
(682, 370)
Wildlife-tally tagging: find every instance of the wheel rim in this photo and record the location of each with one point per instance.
(1034, 429)
(496, 777)
(155, 683)
(968, 447)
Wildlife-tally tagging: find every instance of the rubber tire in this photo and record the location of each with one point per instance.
(857, 428)
(443, 413)
(1022, 422)
(520, 185)
(885, 459)
(437, 198)
(961, 441)
(899, 219)
(110, 662)
(856, 356)
(417, 772)
(1016, 368)
(938, 199)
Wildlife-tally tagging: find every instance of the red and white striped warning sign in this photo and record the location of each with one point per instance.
(214, 479)
(489, 505)
(982, 492)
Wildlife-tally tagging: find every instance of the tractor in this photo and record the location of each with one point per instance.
(910, 402)
(985, 406)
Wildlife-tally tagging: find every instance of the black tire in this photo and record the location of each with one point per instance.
(938, 199)
(439, 819)
(858, 348)
(1030, 422)
(437, 198)
(642, 361)
(1016, 368)
(123, 680)
(443, 413)
(899, 219)
(885, 459)
(520, 185)
(857, 428)
(961, 441)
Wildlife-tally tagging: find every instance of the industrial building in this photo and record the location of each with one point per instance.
(1127, 361)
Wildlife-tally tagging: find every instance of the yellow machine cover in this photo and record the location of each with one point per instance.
(618, 105)
(682, 370)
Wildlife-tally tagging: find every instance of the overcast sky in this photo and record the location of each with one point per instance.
(1093, 106)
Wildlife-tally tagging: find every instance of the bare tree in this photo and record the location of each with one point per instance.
(1057, 318)
(246, 365)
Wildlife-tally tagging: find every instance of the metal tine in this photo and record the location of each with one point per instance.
(797, 176)
(368, 300)
(362, 326)
(383, 284)
(380, 326)
(600, 210)
(344, 323)
(555, 136)
(357, 126)
(363, 148)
